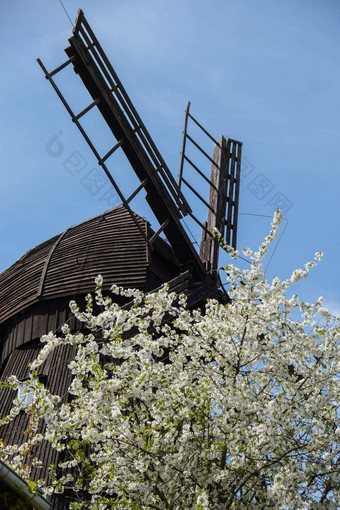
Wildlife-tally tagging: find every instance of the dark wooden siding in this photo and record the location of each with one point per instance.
(162, 262)
(57, 378)
(38, 320)
(54, 370)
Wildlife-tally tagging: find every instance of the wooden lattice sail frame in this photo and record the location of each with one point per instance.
(163, 194)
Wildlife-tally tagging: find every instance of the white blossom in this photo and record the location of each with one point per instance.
(235, 407)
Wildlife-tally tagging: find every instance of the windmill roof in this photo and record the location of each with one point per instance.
(109, 244)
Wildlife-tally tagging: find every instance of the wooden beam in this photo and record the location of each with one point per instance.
(217, 201)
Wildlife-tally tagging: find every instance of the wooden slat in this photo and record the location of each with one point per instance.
(217, 201)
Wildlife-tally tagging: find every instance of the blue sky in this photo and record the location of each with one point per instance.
(266, 73)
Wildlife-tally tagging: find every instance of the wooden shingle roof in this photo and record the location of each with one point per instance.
(66, 265)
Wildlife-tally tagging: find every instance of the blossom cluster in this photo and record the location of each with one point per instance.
(235, 406)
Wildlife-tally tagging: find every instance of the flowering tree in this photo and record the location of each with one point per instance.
(235, 407)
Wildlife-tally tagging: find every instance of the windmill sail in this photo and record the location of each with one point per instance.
(163, 193)
(224, 187)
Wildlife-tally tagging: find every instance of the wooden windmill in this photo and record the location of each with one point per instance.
(163, 194)
(119, 244)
